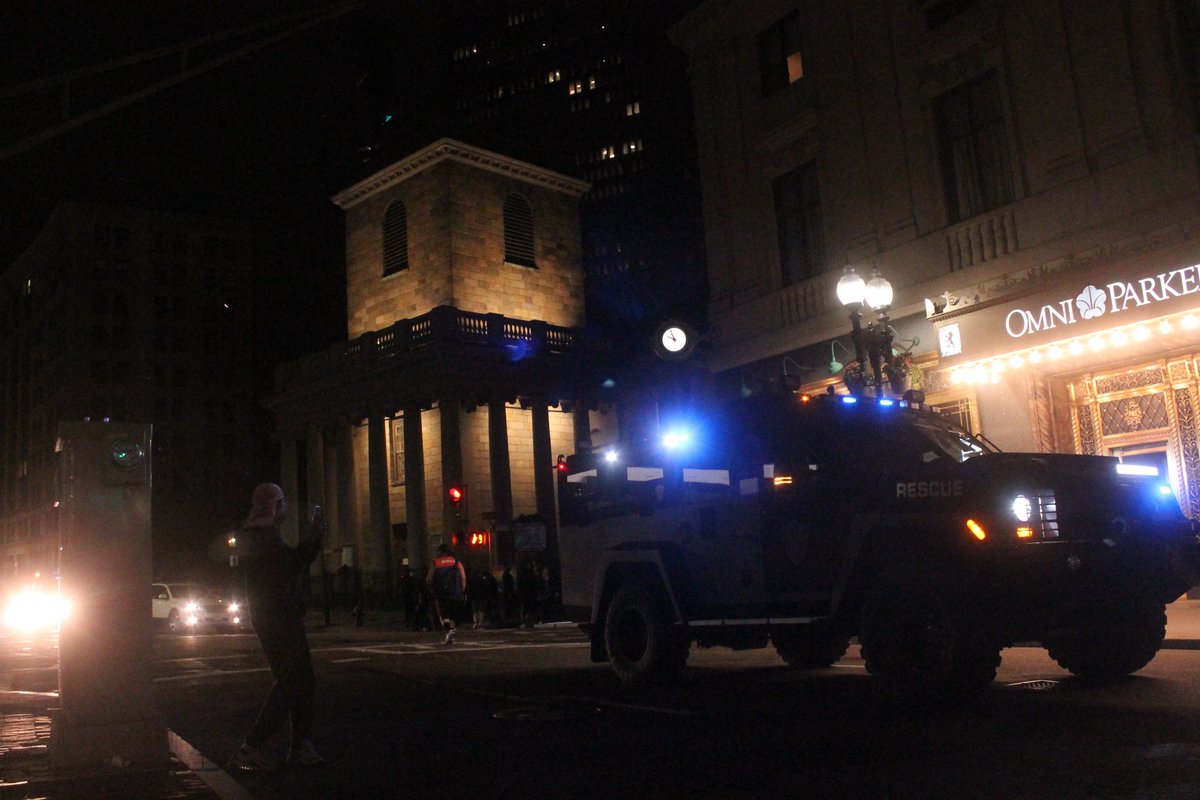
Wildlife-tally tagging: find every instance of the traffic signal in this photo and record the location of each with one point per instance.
(457, 495)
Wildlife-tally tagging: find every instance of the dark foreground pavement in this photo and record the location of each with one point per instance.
(25, 730)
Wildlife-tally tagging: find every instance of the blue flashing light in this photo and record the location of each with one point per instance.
(611, 456)
(1164, 489)
(849, 399)
(903, 404)
(675, 439)
(886, 402)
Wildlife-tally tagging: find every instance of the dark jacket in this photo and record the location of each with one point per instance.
(274, 570)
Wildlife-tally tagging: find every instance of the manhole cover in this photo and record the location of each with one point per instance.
(547, 713)
(1034, 686)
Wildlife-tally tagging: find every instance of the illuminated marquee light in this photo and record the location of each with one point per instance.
(1094, 302)
(990, 370)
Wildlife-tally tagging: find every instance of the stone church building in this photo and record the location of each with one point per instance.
(464, 367)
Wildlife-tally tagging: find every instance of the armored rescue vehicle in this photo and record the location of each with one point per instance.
(804, 521)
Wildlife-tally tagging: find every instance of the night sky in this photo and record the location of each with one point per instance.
(272, 134)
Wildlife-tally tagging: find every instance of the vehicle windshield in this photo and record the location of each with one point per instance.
(949, 440)
(191, 591)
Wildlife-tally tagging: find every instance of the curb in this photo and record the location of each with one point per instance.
(215, 778)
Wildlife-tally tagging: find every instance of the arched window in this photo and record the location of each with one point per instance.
(518, 231)
(395, 239)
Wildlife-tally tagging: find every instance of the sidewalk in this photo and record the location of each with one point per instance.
(25, 736)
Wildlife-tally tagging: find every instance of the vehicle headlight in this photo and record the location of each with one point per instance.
(32, 610)
(234, 607)
(191, 607)
(1021, 507)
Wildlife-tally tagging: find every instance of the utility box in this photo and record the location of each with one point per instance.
(107, 714)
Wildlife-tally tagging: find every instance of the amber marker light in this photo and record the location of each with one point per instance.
(804, 398)
(976, 529)
(783, 480)
(1024, 532)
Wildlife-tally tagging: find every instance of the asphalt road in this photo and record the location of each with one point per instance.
(525, 714)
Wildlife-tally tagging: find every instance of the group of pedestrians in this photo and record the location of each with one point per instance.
(518, 597)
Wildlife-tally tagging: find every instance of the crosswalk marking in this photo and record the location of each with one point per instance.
(199, 668)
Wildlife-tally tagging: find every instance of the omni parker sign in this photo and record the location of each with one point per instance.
(1109, 299)
(1121, 294)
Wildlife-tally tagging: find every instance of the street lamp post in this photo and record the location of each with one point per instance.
(873, 344)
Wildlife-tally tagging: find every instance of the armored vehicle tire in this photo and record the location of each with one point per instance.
(643, 645)
(813, 646)
(174, 621)
(1114, 644)
(917, 646)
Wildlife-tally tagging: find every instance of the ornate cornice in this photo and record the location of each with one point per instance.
(452, 150)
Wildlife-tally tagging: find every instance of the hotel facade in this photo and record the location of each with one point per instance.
(1025, 176)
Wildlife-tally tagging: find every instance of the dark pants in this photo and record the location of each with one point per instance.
(447, 608)
(285, 645)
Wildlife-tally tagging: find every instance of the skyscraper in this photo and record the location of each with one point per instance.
(589, 88)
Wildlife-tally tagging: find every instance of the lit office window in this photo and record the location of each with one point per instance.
(780, 54)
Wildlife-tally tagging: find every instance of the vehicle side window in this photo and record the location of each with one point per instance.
(160, 593)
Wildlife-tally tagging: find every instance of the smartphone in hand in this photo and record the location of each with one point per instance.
(316, 520)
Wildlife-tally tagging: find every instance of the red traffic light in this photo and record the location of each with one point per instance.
(456, 495)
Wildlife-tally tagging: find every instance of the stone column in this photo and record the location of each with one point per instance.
(502, 500)
(543, 481)
(347, 531)
(452, 465)
(314, 481)
(377, 489)
(289, 481)
(582, 420)
(346, 508)
(414, 492)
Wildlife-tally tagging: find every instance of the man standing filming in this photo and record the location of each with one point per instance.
(274, 591)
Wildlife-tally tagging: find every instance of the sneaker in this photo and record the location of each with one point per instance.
(450, 636)
(254, 759)
(305, 755)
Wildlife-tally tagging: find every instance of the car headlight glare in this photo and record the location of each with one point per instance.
(33, 610)
(1022, 508)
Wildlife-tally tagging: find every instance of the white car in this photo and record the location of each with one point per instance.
(185, 607)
